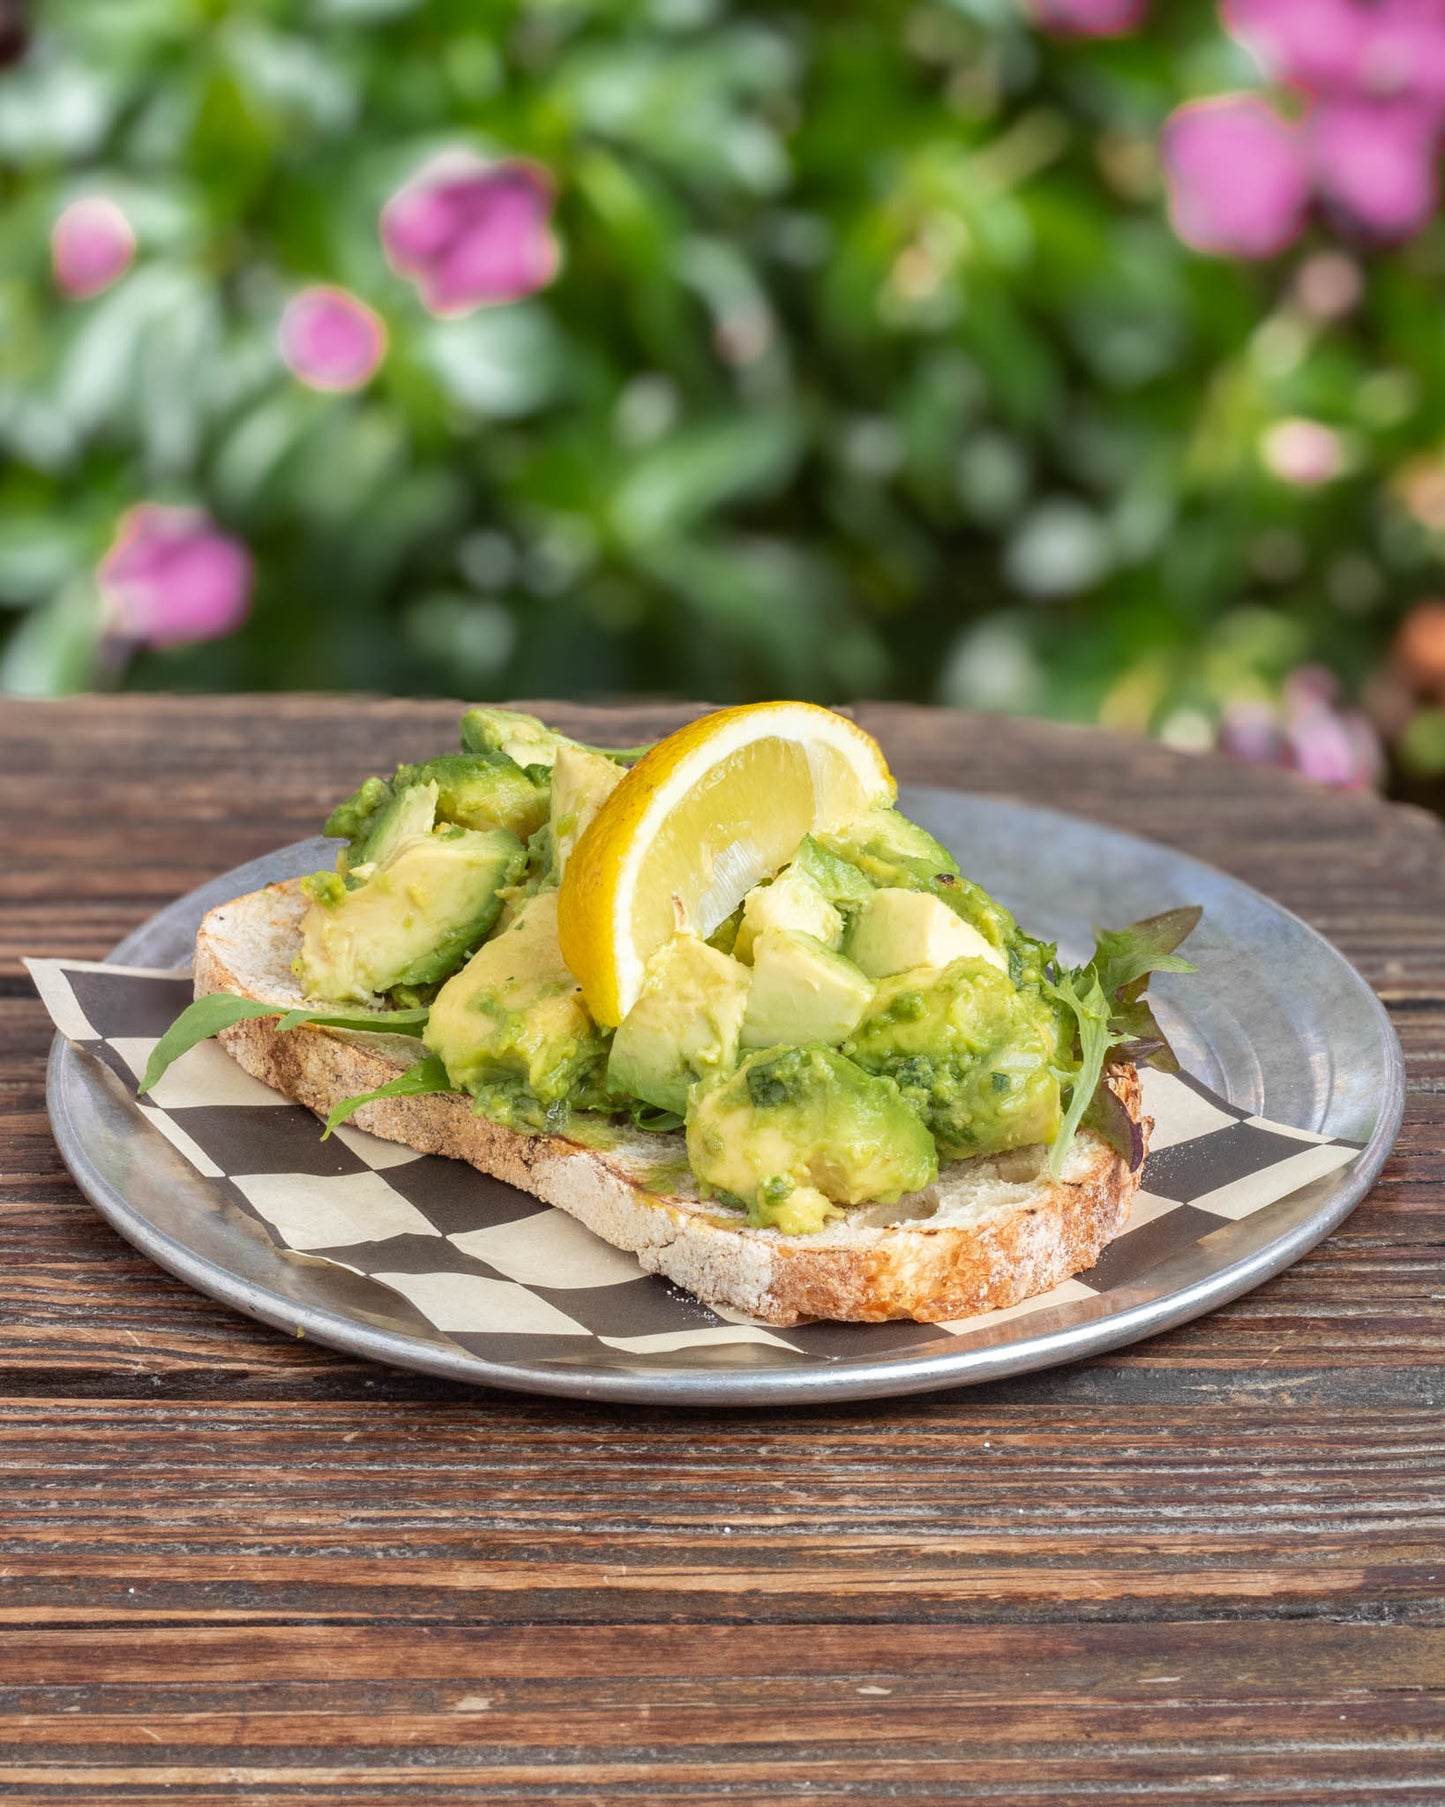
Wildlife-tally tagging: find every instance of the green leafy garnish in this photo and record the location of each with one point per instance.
(1106, 1000)
(427, 1076)
(199, 1021)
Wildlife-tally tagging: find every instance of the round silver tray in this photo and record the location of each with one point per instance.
(1276, 1022)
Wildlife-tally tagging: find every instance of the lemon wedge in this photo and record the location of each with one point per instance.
(708, 813)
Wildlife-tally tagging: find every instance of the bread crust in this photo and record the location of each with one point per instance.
(988, 1234)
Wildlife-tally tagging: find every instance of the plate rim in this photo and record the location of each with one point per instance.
(761, 1387)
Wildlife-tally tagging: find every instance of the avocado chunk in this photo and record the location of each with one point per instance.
(684, 1026)
(898, 930)
(791, 901)
(581, 783)
(977, 1058)
(893, 852)
(802, 992)
(376, 819)
(841, 883)
(795, 1132)
(512, 1029)
(482, 790)
(522, 738)
(411, 921)
(352, 819)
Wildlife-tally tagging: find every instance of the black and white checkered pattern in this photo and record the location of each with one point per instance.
(509, 1278)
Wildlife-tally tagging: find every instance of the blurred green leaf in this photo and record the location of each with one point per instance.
(699, 470)
(55, 649)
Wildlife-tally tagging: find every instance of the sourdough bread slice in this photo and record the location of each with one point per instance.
(988, 1233)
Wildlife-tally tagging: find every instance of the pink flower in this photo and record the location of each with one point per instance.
(91, 246)
(1392, 49)
(1088, 18)
(1338, 748)
(472, 234)
(1305, 453)
(330, 340)
(1317, 43)
(1238, 178)
(1376, 161)
(1310, 733)
(172, 575)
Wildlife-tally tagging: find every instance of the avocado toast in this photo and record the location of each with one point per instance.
(832, 1078)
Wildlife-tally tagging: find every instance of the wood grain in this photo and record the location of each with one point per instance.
(1206, 1569)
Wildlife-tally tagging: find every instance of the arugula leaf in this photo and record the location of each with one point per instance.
(373, 1022)
(1081, 992)
(1125, 956)
(1112, 1019)
(207, 1016)
(427, 1076)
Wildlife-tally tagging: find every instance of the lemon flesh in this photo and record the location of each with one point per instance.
(710, 812)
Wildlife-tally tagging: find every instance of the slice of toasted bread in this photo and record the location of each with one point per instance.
(988, 1233)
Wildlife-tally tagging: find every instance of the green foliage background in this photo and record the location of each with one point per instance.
(873, 364)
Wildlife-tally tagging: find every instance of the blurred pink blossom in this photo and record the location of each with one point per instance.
(172, 575)
(1335, 747)
(1376, 161)
(91, 246)
(1390, 49)
(1238, 178)
(1310, 732)
(1305, 453)
(472, 234)
(330, 340)
(1088, 18)
(1376, 74)
(1317, 43)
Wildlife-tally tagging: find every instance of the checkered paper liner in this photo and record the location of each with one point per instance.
(512, 1280)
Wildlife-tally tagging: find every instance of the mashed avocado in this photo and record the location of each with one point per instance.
(795, 1132)
(974, 1056)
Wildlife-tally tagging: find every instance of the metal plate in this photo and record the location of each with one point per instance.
(1276, 1021)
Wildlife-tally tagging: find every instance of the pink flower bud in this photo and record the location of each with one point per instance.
(1088, 18)
(91, 246)
(1238, 179)
(472, 234)
(330, 340)
(171, 575)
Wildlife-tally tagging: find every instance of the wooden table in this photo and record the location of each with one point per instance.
(1207, 1569)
